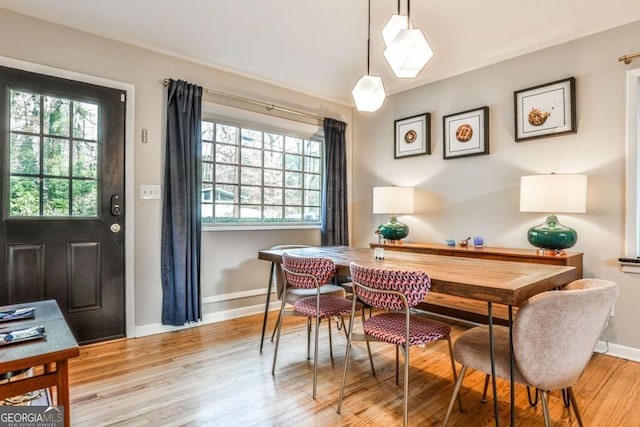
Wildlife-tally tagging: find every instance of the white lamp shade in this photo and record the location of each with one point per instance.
(393, 200)
(553, 193)
(393, 27)
(408, 53)
(368, 93)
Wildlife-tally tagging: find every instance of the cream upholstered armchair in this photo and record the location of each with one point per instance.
(554, 334)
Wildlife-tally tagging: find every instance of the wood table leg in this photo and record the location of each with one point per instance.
(62, 368)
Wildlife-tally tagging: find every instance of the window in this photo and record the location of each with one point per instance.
(632, 240)
(53, 156)
(251, 175)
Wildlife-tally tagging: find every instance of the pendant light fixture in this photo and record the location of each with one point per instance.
(409, 51)
(393, 26)
(368, 93)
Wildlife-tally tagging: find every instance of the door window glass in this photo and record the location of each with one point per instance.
(53, 156)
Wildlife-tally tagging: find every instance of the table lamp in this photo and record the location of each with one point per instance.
(393, 200)
(553, 193)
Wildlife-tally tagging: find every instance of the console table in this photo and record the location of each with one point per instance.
(472, 310)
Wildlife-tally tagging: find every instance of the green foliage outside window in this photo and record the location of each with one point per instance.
(53, 156)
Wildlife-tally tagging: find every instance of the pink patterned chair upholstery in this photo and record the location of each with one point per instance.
(310, 274)
(554, 334)
(396, 291)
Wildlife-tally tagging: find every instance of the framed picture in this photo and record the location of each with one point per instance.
(412, 136)
(546, 110)
(466, 134)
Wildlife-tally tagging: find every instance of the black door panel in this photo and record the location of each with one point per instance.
(62, 245)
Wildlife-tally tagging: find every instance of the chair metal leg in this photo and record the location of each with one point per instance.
(308, 338)
(544, 397)
(273, 334)
(406, 383)
(275, 352)
(456, 391)
(565, 398)
(486, 387)
(373, 370)
(533, 401)
(397, 347)
(330, 342)
(346, 355)
(453, 368)
(315, 356)
(572, 397)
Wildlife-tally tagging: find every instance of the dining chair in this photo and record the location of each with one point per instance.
(395, 291)
(554, 334)
(277, 278)
(311, 275)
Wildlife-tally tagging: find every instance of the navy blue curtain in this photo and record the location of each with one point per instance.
(335, 219)
(181, 212)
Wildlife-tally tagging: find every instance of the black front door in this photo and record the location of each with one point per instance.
(62, 205)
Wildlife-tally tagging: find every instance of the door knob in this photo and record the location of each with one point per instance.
(115, 228)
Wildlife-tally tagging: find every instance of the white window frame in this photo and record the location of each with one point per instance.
(632, 218)
(264, 122)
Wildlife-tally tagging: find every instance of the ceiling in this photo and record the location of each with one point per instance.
(320, 47)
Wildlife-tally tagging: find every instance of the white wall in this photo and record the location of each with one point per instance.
(229, 259)
(480, 195)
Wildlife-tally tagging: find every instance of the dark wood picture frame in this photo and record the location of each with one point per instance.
(412, 136)
(466, 133)
(545, 110)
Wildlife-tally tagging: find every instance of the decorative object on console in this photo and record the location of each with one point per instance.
(553, 193)
(545, 110)
(412, 136)
(407, 49)
(368, 93)
(466, 133)
(464, 243)
(393, 200)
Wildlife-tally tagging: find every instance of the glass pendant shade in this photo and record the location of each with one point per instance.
(408, 53)
(393, 27)
(368, 93)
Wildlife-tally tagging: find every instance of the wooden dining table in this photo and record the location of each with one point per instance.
(491, 281)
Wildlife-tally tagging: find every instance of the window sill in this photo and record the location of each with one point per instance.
(630, 265)
(263, 227)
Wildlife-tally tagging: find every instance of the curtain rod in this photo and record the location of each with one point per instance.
(628, 58)
(266, 105)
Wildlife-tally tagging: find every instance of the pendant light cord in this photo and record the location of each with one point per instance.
(408, 14)
(369, 40)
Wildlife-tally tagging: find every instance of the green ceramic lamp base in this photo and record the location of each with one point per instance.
(552, 235)
(394, 230)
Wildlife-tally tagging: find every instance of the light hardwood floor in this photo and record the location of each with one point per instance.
(214, 375)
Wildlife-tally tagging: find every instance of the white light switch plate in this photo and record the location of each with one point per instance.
(148, 192)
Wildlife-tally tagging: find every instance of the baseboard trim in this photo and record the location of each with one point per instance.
(235, 295)
(619, 351)
(159, 328)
